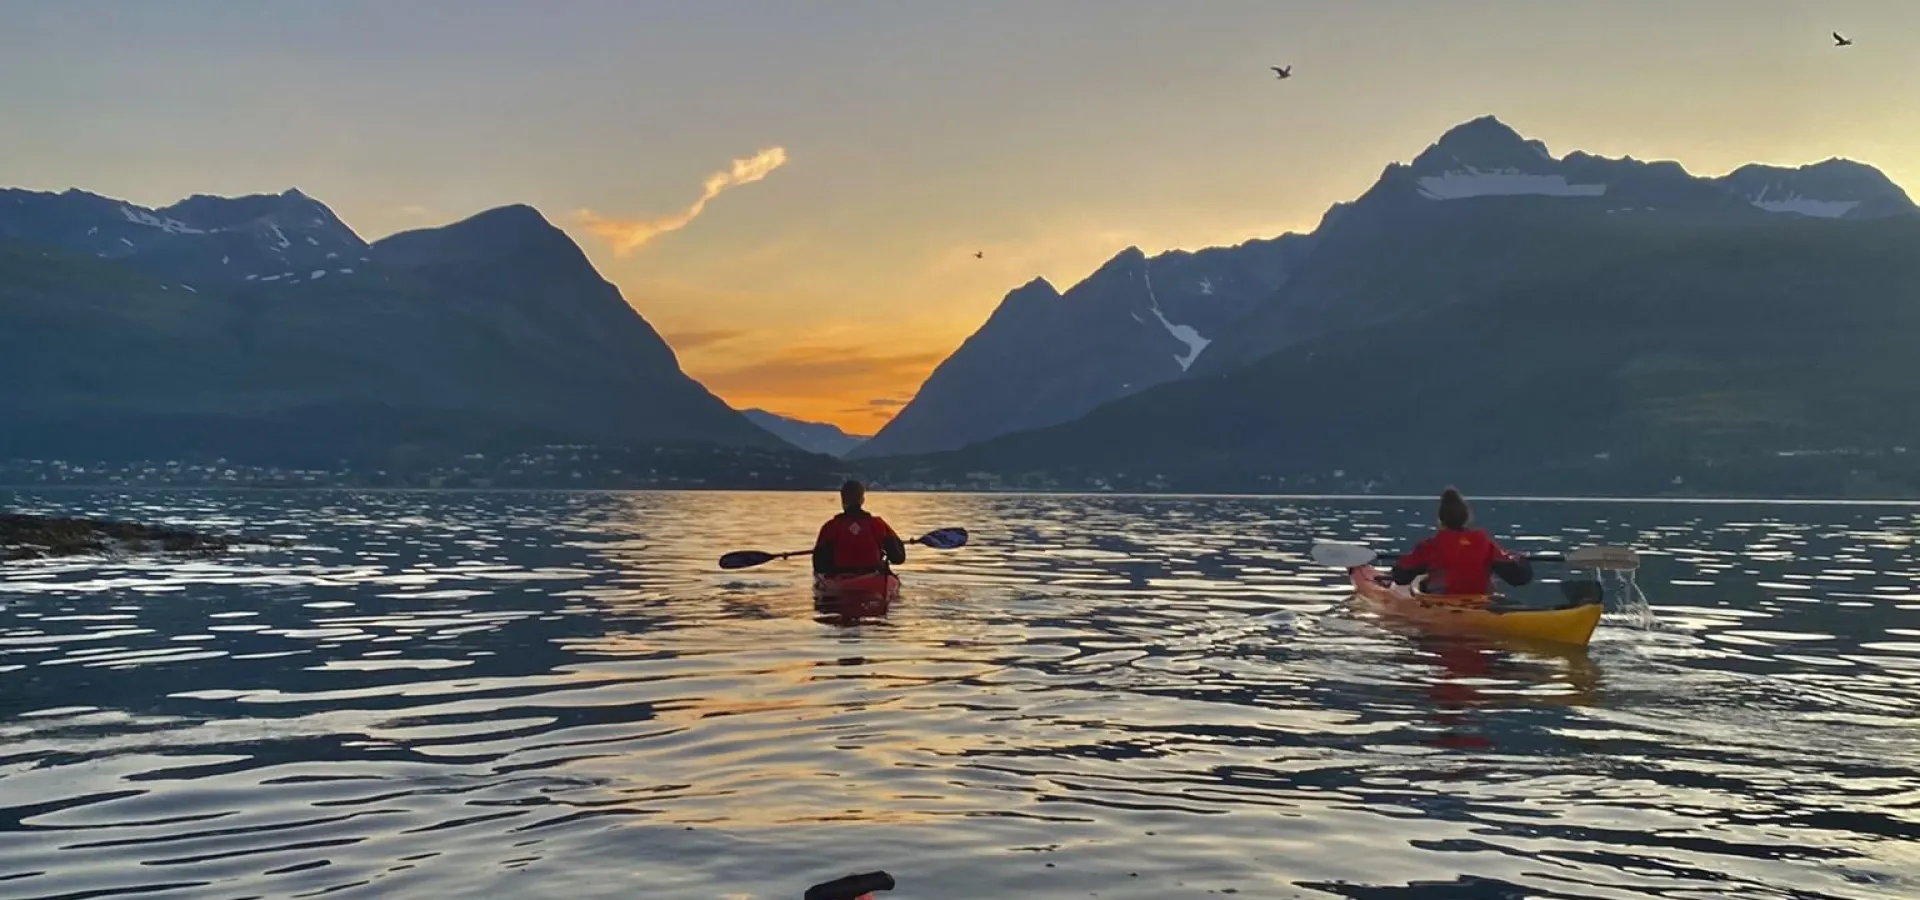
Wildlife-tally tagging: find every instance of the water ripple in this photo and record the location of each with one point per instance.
(536, 695)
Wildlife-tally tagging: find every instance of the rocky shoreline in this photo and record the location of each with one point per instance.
(24, 537)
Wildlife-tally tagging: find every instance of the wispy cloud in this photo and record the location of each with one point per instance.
(628, 235)
(822, 371)
(877, 410)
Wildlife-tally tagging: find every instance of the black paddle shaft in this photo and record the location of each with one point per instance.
(1529, 557)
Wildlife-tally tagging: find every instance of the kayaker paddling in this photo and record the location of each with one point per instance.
(856, 542)
(1460, 559)
(1457, 612)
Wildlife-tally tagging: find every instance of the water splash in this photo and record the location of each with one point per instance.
(1631, 603)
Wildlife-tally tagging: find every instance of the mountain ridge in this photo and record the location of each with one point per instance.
(814, 437)
(1036, 360)
(1476, 175)
(1044, 356)
(1495, 315)
(1551, 386)
(492, 331)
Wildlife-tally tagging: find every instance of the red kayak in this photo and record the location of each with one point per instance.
(875, 585)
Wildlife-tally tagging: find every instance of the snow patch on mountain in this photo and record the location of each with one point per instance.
(1805, 206)
(1185, 334)
(168, 225)
(1471, 182)
(1820, 209)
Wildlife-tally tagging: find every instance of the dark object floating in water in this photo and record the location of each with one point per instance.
(851, 887)
(37, 537)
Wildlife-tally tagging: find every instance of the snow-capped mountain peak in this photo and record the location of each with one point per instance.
(1832, 189)
(1486, 158)
(202, 239)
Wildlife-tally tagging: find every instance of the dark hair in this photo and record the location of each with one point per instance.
(1454, 511)
(851, 494)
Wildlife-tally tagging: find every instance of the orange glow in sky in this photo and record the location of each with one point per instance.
(793, 194)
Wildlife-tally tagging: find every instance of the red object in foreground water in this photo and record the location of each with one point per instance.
(879, 585)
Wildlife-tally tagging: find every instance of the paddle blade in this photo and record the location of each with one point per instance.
(741, 559)
(1581, 593)
(1614, 559)
(944, 539)
(1340, 554)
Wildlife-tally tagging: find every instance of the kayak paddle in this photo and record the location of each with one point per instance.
(1344, 555)
(938, 539)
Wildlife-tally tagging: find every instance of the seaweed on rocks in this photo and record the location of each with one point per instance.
(24, 537)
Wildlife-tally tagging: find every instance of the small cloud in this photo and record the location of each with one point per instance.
(418, 212)
(887, 402)
(810, 371)
(628, 235)
(685, 341)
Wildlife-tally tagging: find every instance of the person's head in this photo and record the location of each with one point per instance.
(852, 495)
(1455, 514)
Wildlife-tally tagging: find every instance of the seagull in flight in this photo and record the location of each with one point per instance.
(1839, 41)
(1282, 74)
(979, 254)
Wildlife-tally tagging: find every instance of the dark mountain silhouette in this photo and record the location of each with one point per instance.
(262, 325)
(813, 437)
(1493, 316)
(1044, 357)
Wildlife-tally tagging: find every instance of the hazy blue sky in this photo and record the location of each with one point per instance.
(1049, 133)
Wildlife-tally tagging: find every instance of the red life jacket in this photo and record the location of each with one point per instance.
(1456, 562)
(858, 541)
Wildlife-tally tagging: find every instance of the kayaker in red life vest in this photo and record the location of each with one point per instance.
(1460, 560)
(856, 542)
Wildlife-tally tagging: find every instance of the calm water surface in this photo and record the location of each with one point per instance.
(544, 695)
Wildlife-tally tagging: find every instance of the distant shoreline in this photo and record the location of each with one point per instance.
(1673, 499)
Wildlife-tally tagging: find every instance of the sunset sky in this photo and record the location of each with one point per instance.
(792, 191)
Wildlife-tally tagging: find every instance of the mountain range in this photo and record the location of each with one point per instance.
(813, 437)
(1045, 357)
(1486, 313)
(1493, 314)
(263, 327)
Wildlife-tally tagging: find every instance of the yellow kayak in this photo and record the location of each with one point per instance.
(1475, 613)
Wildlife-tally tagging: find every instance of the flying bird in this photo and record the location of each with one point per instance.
(1282, 74)
(979, 254)
(1839, 41)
